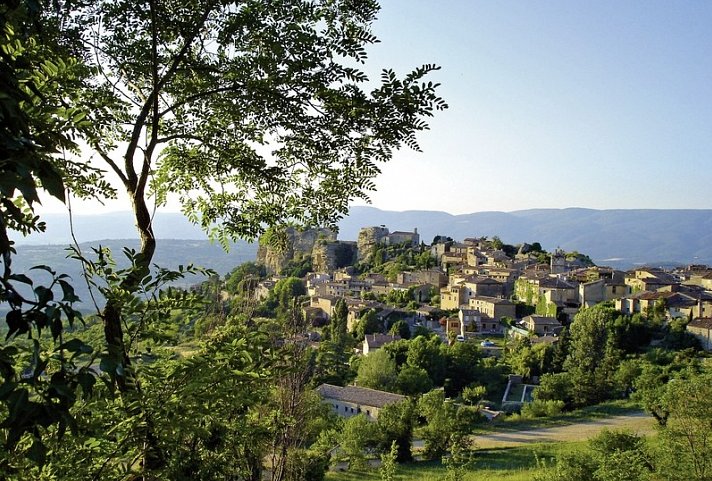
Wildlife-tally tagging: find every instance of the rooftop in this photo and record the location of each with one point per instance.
(359, 395)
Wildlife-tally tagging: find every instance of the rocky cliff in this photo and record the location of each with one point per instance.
(295, 244)
(368, 239)
(328, 256)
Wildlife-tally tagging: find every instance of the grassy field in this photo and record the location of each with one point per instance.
(600, 411)
(508, 464)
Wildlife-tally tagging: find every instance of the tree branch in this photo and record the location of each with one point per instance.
(149, 104)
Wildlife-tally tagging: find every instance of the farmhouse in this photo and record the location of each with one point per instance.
(349, 401)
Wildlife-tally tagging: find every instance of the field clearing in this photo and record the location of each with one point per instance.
(504, 464)
(637, 422)
(514, 455)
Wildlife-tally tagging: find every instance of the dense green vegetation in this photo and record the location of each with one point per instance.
(215, 382)
(185, 100)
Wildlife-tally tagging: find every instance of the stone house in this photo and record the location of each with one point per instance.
(264, 288)
(493, 308)
(452, 297)
(475, 321)
(701, 328)
(400, 237)
(324, 302)
(427, 276)
(475, 257)
(449, 259)
(649, 280)
(454, 324)
(541, 325)
(373, 342)
(600, 290)
(349, 401)
(482, 286)
(673, 304)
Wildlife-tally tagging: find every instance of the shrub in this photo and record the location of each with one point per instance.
(543, 408)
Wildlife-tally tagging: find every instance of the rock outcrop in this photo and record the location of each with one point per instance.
(296, 244)
(328, 256)
(368, 240)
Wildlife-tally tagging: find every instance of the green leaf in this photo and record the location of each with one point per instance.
(76, 345)
(68, 294)
(21, 278)
(37, 452)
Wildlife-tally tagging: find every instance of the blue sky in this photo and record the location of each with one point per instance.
(553, 104)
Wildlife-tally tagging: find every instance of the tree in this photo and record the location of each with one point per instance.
(686, 434)
(339, 321)
(241, 110)
(241, 279)
(286, 292)
(389, 464)
(358, 435)
(377, 371)
(413, 380)
(460, 459)
(462, 365)
(592, 356)
(428, 354)
(368, 324)
(441, 422)
(474, 394)
(395, 425)
(400, 328)
(38, 121)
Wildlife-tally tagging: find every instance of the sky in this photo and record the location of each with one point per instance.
(553, 104)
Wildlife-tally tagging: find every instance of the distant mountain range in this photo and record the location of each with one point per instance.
(619, 238)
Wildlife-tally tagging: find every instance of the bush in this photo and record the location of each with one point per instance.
(543, 408)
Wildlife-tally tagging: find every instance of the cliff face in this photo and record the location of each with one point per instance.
(328, 256)
(298, 244)
(368, 239)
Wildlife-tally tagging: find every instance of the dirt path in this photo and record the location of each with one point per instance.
(640, 423)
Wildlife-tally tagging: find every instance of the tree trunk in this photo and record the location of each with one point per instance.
(111, 315)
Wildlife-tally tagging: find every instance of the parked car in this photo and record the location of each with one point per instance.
(487, 343)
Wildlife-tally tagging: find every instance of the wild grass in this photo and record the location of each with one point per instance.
(505, 464)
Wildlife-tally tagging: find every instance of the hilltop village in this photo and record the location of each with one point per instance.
(472, 288)
(497, 328)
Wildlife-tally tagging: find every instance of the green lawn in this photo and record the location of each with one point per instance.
(508, 464)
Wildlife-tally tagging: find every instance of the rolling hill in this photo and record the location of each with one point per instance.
(621, 238)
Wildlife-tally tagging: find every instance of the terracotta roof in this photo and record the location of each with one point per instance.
(359, 395)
